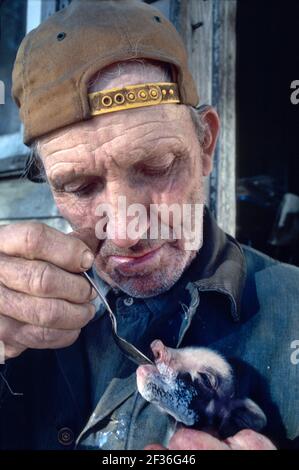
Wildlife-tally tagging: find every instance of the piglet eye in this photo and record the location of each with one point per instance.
(185, 377)
(208, 380)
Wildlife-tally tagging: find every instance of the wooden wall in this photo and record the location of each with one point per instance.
(208, 28)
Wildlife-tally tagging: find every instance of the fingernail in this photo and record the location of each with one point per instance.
(87, 259)
(93, 294)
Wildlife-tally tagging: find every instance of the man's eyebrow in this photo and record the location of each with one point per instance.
(66, 172)
(156, 160)
(151, 154)
(59, 180)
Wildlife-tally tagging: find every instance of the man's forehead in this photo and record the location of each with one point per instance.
(122, 131)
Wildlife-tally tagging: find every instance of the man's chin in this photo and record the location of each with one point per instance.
(149, 285)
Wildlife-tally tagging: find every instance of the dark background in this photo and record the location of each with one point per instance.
(267, 126)
(267, 63)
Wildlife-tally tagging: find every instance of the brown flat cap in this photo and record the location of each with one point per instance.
(56, 61)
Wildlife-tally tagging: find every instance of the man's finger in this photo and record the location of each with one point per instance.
(12, 351)
(42, 279)
(189, 439)
(87, 236)
(36, 241)
(44, 312)
(18, 336)
(249, 440)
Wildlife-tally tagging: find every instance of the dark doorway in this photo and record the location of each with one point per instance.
(267, 127)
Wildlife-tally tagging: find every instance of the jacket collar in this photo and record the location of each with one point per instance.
(220, 265)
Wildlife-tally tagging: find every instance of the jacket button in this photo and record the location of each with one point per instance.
(129, 301)
(65, 436)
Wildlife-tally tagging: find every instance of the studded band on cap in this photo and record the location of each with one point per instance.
(133, 96)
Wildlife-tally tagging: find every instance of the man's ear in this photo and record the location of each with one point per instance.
(34, 170)
(210, 118)
(242, 414)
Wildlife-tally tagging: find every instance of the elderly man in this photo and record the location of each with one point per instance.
(109, 109)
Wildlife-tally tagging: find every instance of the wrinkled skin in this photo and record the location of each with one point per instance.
(147, 157)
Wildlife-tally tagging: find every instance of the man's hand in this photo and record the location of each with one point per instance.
(188, 439)
(43, 302)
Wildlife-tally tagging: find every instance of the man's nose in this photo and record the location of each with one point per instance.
(129, 222)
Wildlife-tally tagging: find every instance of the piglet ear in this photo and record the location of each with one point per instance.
(242, 414)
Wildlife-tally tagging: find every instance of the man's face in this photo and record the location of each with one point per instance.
(149, 156)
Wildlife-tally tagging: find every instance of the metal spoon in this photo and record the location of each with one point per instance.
(130, 351)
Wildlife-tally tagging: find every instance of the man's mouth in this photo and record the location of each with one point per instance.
(136, 264)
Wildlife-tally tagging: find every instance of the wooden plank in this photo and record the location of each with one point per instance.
(208, 31)
(196, 30)
(201, 48)
(48, 8)
(21, 200)
(223, 178)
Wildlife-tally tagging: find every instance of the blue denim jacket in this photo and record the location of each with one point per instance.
(232, 299)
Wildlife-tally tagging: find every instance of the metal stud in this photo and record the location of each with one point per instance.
(131, 96)
(154, 94)
(142, 94)
(119, 98)
(106, 101)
